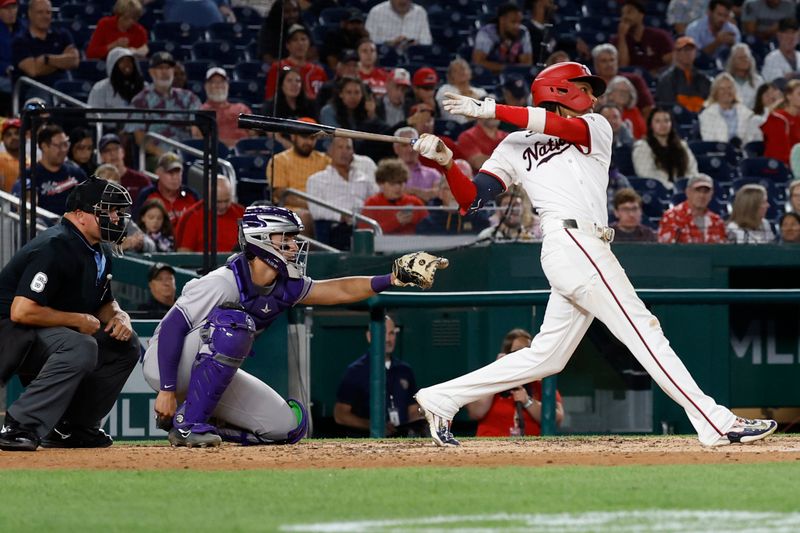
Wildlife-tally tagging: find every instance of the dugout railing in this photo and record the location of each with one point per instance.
(378, 305)
(34, 116)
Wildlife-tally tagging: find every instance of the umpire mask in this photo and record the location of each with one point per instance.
(109, 202)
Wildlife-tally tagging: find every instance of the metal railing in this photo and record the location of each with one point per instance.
(378, 304)
(356, 216)
(10, 225)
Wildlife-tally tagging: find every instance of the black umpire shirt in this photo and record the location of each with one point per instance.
(58, 269)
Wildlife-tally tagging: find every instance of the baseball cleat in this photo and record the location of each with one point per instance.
(745, 430)
(439, 427)
(66, 436)
(185, 437)
(14, 439)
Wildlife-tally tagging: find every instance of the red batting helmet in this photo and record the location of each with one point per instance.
(554, 84)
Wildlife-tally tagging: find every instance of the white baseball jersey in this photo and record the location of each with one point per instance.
(563, 180)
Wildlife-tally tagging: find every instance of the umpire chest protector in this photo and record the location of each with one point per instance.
(58, 269)
(263, 306)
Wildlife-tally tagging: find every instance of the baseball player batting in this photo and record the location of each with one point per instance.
(198, 347)
(561, 158)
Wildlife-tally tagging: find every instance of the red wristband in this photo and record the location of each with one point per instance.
(518, 116)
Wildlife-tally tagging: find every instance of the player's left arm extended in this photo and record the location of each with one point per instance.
(345, 290)
(537, 119)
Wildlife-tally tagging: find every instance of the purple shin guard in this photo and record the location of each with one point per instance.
(248, 438)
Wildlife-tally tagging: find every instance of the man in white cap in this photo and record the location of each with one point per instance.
(394, 101)
(217, 87)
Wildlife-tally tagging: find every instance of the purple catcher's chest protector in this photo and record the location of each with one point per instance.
(264, 308)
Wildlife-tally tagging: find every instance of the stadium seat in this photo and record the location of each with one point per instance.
(88, 12)
(650, 186)
(234, 34)
(91, 70)
(78, 89)
(178, 53)
(247, 16)
(600, 7)
(218, 52)
(250, 70)
(716, 167)
(718, 149)
(252, 166)
(80, 31)
(765, 167)
(775, 191)
(332, 16)
(680, 185)
(249, 190)
(178, 32)
(448, 128)
(623, 158)
(222, 150)
(653, 205)
(754, 149)
(249, 92)
(257, 146)
(196, 70)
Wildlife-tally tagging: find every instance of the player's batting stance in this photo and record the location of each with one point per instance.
(198, 347)
(561, 158)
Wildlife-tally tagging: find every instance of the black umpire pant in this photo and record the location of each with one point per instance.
(72, 376)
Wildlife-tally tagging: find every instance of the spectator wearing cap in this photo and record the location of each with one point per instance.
(161, 282)
(169, 188)
(628, 212)
(368, 69)
(112, 153)
(691, 221)
(298, 44)
(424, 83)
(199, 13)
(42, 52)
(399, 23)
(784, 61)
(393, 103)
(459, 78)
(682, 83)
(606, 65)
(54, 175)
(639, 45)
(503, 42)
(227, 112)
(423, 181)
(478, 142)
(714, 32)
(9, 26)
(346, 37)
(782, 128)
(189, 230)
(9, 158)
(123, 82)
(120, 30)
(761, 18)
(162, 95)
(391, 177)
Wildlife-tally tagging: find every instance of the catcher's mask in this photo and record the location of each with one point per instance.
(556, 84)
(256, 230)
(103, 199)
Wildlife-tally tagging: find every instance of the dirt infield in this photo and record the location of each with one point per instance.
(566, 451)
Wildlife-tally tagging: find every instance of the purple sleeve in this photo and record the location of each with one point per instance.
(174, 328)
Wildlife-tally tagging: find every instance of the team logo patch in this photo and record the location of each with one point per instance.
(179, 418)
(38, 282)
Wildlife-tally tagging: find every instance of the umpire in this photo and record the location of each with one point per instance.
(61, 330)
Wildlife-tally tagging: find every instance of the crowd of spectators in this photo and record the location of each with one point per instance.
(703, 102)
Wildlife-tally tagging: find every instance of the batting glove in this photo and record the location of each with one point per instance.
(432, 147)
(457, 104)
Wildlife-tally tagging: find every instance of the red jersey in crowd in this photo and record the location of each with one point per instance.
(387, 218)
(781, 132)
(679, 226)
(191, 229)
(499, 421)
(312, 74)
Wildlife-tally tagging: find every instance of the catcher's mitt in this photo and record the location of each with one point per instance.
(417, 268)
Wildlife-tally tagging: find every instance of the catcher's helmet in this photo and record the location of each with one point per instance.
(256, 228)
(100, 197)
(554, 84)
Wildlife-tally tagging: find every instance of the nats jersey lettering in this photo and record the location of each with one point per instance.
(562, 180)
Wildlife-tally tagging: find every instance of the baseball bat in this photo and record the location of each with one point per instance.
(287, 125)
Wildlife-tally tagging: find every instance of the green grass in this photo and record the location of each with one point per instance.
(59, 500)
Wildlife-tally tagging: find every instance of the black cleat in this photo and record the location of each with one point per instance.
(13, 438)
(65, 435)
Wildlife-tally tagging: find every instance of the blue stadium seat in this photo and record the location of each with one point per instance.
(765, 167)
(718, 149)
(234, 34)
(600, 7)
(716, 167)
(332, 16)
(650, 186)
(75, 88)
(196, 70)
(218, 52)
(250, 70)
(251, 166)
(247, 91)
(775, 191)
(247, 16)
(653, 205)
(90, 69)
(180, 54)
(448, 128)
(623, 158)
(178, 32)
(80, 31)
(249, 190)
(680, 185)
(754, 149)
(257, 146)
(88, 12)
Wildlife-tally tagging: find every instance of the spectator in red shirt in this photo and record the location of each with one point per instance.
(639, 45)
(176, 197)
(691, 221)
(189, 234)
(391, 176)
(216, 87)
(368, 69)
(782, 128)
(298, 43)
(498, 414)
(119, 30)
(478, 142)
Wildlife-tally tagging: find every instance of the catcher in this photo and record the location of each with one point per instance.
(194, 356)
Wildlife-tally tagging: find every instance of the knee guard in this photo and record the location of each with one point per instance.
(227, 335)
(248, 438)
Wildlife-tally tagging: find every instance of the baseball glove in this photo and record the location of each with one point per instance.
(417, 268)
